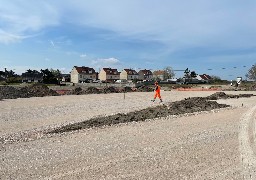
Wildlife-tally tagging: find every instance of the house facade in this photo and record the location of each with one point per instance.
(82, 74)
(145, 75)
(129, 74)
(109, 74)
(30, 77)
(159, 75)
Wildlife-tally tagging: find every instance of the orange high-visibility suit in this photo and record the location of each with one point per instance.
(157, 91)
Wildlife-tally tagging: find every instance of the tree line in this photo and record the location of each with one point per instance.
(49, 76)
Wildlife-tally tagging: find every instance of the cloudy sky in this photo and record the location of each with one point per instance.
(217, 37)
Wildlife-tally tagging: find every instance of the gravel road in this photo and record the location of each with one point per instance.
(208, 145)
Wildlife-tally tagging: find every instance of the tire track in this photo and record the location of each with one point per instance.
(248, 157)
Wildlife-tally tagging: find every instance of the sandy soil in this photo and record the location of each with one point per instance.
(209, 145)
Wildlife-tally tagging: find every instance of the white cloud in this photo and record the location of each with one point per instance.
(7, 38)
(19, 18)
(108, 62)
(83, 55)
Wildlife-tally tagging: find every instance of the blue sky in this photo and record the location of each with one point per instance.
(216, 37)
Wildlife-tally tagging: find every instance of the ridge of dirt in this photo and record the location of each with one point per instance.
(35, 90)
(188, 105)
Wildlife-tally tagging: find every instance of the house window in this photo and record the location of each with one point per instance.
(81, 76)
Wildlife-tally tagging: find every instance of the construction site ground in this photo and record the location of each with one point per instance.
(215, 144)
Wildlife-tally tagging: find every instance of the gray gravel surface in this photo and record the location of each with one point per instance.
(208, 145)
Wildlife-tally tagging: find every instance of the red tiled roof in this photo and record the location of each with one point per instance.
(158, 72)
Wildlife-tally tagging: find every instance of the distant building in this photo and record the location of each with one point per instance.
(30, 77)
(159, 74)
(145, 75)
(129, 74)
(204, 78)
(65, 77)
(82, 74)
(109, 74)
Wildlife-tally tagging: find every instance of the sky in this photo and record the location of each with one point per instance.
(215, 37)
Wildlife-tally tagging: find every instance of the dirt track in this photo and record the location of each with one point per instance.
(209, 145)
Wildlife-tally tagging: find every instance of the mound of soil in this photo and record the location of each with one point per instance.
(189, 105)
(222, 95)
(145, 89)
(35, 90)
(92, 90)
(110, 90)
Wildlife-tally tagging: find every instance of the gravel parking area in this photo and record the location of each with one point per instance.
(204, 145)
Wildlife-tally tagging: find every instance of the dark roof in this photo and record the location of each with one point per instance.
(110, 71)
(85, 70)
(145, 71)
(131, 72)
(205, 77)
(32, 75)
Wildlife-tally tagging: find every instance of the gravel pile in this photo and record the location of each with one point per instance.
(35, 90)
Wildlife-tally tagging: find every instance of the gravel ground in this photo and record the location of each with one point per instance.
(208, 145)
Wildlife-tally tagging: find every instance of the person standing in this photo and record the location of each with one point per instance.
(157, 92)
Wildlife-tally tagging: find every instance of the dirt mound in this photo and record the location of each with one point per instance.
(8, 92)
(145, 89)
(35, 90)
(110, 90)
(189, 105)
(92, 90)
(222, 95)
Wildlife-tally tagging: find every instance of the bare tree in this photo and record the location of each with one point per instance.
(168, 72)
(252, 73)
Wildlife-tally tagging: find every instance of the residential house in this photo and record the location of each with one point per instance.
(82, 74)
(145, 75)
(129, 74)
(65, 77)
(33, 76)
(204, 78)
(159, 75)
(109, 75)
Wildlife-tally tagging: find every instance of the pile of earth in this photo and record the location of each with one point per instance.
(222, 95)
(94, 90)
(35, 90)
(145, 89)
(189, 105)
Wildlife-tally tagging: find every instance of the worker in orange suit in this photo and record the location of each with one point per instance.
(157, 92)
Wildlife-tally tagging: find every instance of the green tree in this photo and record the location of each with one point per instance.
(168, 73)
(56, 73)
(252, 73)
(48, 77)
